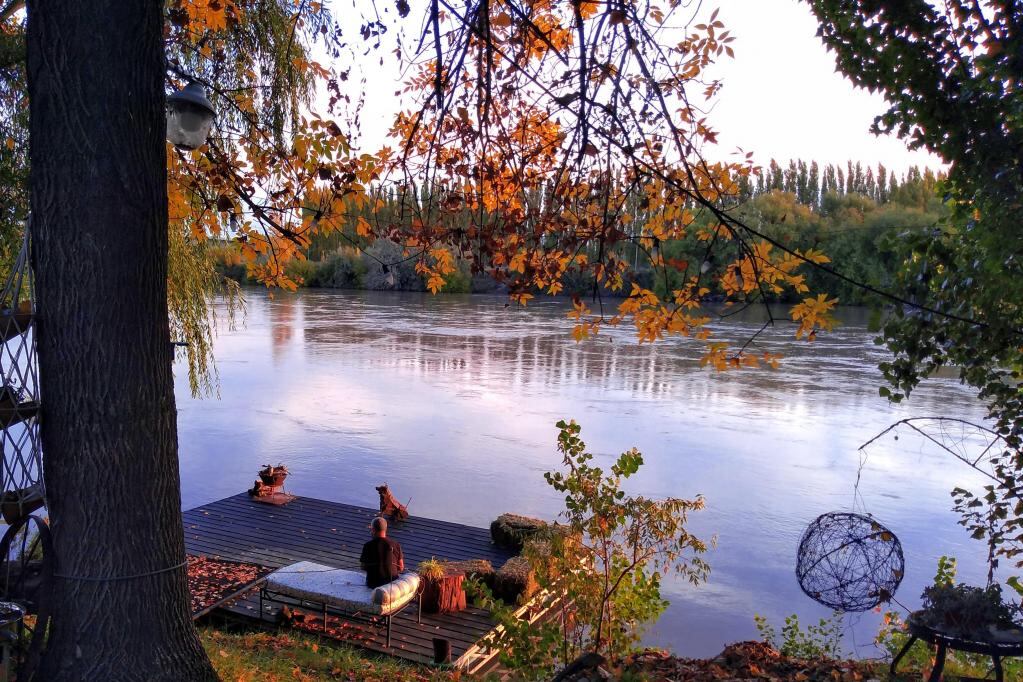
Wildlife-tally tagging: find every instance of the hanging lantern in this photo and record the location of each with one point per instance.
(189, 117)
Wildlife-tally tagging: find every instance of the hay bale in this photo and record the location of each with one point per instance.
(515, 582)
(513, 530)
(473, 569)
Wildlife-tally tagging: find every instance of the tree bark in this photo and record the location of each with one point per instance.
(108, 425)
(444, 594)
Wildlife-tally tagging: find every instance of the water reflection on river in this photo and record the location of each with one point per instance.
(352, 389)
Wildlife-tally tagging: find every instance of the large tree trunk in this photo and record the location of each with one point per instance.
(99, 225)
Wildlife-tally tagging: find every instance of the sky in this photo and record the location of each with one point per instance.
(781, 99)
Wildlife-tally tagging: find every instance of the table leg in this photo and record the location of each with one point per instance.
(939, 664)
(999, 675)
(898, 657)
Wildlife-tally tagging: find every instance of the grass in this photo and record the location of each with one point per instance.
(247, 655)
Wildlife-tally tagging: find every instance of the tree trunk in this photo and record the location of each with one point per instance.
(99, 227)
(444, 594)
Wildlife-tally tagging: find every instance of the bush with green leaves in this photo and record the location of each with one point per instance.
(302, 272)
(601, 565)
(344, 269)
(823, 640)
(964, 610)
(960, 609)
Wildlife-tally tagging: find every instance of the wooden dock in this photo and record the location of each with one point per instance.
(240, 529)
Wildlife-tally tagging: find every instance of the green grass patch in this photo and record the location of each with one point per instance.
(249, 655)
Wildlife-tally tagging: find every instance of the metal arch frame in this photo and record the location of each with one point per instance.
(21, 476)
(43, 605)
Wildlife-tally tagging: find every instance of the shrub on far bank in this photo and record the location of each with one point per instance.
(301, 271)
(382, 266)
(399, 275)
(228, 264)
(344, 269)
(459, 281)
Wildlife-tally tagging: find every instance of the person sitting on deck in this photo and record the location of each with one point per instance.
(381, 557)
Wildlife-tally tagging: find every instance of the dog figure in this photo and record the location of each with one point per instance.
(390, 507)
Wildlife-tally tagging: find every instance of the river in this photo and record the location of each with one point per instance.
(352, 389)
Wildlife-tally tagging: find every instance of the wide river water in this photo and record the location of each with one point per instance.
(452, 401)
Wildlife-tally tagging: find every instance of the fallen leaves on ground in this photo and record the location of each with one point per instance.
(211, 580)
(744, 661)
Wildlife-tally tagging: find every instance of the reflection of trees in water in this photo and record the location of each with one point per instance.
(541, 360)
(480, 345)
(283, 311)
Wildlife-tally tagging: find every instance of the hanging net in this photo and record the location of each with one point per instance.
(849, 562)
(21, 486)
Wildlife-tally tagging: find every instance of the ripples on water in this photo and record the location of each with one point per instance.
(352, 389)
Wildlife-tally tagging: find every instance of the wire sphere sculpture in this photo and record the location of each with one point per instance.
(849, 562)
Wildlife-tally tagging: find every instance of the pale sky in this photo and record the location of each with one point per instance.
(781, 99)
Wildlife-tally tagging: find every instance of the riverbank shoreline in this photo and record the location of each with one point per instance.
(264, 656)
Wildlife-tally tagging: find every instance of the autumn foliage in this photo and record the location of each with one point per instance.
(543, 140)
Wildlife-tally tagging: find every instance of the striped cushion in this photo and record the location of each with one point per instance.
(397, 592)
(342, 588)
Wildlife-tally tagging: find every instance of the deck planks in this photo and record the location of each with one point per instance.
(332, 533)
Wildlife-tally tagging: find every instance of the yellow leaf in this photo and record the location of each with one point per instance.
(362, 227)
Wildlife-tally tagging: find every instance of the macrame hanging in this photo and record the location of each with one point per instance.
(849, 562)
(21, 482)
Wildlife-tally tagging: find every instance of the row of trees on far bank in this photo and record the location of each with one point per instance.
(853, 214)
(812, 182)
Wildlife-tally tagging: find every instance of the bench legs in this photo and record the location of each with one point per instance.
(939, 664)
(898, 657)
(263, 594)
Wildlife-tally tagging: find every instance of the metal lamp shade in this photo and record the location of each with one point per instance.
(189, 117)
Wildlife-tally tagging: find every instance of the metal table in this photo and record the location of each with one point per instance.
(944, 641)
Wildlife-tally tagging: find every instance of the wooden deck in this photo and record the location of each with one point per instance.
(330, 533)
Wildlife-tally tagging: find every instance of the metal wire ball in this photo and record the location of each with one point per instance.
(849, 562)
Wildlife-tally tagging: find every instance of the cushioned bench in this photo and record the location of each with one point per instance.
(340, 591)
